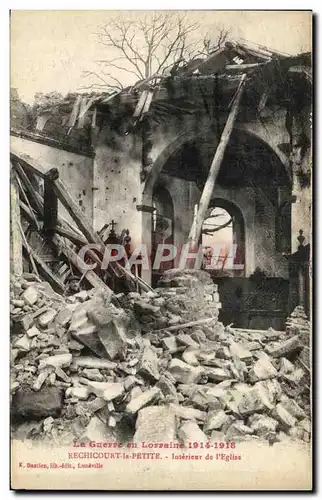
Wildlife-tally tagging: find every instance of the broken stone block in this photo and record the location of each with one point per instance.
(305, 424)
(130, 382)
(240, 351)
(64, 316)
(262, 370)
(286, 348)
(199, 336)
(262, 425)
(273, 387)
(187, 413)
(41, 379)
(47, 318)
(217, 374)
(238, 429)
(170, 344)
(292, 407)
(33, 332)
(167, 387)
(97, 431)
(111, 421)
(285, 419)
(97, 404)
(17, 303)
(52, 378)
(89, 362)
(60, 360)
(148, 367)
(135, 392)
(93, 374)
(272, 334)
(48, 424)
(30, 295)
(190, 432)
(33, 405)
(73, 345)
(155, 424)
(184, 373)
(23, 343)
(113, 339)
(223, 353)
(201, 399)
(143, 399)
(106, 390)
(215, 420)
(218, 436)
(110, 406)
(257, 399)
(185, 339)
(189, 356)
(253, 346)
(144, 308)
(62, 375)
(297, 376)
(26, 322)
(133, 362)
(188, 389)
(81, 392)
(174, 319)
(296, 433)
(286, 366)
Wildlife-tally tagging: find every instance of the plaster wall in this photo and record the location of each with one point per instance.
(75, 170)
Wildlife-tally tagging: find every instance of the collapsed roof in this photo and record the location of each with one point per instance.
(271, 76)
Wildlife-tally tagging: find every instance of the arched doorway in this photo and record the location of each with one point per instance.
(223, 237)
(251, 172)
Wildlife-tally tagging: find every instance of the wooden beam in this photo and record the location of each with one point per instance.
(73, 209)
(15, 235)
(29, 213)
(240, 68)
(29, 187)
(30, 216)
(50, 206)
(83, 224)
(207, 193)
(28, 249)
(186, 325)
(86, 227)
(46, 272)
(72, 256)
(27, 162)
(64, 231)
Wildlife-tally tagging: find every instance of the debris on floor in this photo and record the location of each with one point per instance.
(156, 366)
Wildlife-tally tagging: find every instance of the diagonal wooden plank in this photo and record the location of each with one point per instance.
(206, 195)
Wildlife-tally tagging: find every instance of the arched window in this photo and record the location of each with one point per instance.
(223, 238)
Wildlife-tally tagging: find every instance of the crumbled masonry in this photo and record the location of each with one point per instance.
(85, 367)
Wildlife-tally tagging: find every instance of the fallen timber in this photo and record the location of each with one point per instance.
(58, 228)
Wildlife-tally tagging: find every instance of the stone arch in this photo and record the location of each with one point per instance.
(164, 156)
(189, 136)
(172, 147)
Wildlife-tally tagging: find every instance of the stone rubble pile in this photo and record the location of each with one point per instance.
(88, 367)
